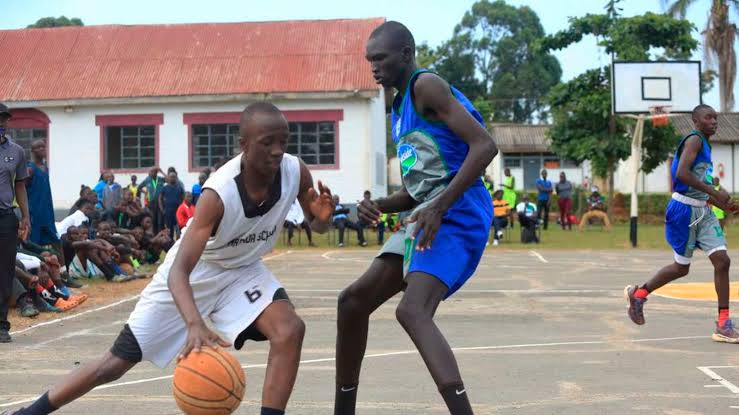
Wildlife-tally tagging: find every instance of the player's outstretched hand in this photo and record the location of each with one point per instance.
(322, 203)
(428, 222)
(199, 336)
(724, 196)
(368, 212)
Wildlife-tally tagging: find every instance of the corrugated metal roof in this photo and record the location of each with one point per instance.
(116, 61)
(521, 138)
(528, 138)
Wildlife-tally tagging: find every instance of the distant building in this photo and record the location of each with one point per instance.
(126, 98)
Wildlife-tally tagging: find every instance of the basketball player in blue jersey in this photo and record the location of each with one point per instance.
(690, 224)
(215, 271)
(443, 148)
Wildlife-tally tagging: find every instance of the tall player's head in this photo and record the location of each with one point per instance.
(705, 119)
(391, 51)
(263, 137)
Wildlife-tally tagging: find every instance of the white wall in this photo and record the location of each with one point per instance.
(574, 174)
(74, 144)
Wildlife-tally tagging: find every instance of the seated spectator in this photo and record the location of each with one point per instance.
(295, 218)
(154, 244)
(125, 244)
(379, 226)
(133, 187)
(170, 198)
(341, 222)
(128, 210)
(80, 216)
(93, 258)
(596, 210)
(528, 219)
(501, 211)
(185, 211)
(197, 188)
(23, 292)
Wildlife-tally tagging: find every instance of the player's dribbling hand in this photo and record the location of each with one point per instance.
(724, 196)
(368, 211)
(321, 204)
(428, 222)
(199, 336)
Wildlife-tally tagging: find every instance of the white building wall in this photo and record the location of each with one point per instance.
(574, 174)
(74, 144)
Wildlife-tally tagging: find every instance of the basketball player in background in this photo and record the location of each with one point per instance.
(216, 272)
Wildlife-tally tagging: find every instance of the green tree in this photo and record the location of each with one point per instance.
(718, 43)
(583, 128)
(490, 57)
(55, 22)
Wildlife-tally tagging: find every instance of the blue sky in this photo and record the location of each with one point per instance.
(431, 21)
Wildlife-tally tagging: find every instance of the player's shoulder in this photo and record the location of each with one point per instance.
(429, 82)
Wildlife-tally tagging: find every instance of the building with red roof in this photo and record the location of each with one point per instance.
(128, 98)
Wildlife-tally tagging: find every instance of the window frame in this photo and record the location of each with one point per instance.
(330, 115)
(128, 120)
(33, 119)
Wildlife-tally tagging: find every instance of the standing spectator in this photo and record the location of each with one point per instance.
(40, 205)
(171, 169)
(197, 188)
(111, 196)
(296, 218)
(501, 211)
(544, 186)
(13, 174)
(151, 186)
(341, 222)
(509, 189)
(564, 201)
(185, 211)
(170, 198)
(133, 187)
(99, 188)
(379, 226)
(528, 219)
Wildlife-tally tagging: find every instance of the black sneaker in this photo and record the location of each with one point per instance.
(5, 336)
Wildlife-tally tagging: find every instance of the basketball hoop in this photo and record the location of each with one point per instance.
(660, 116)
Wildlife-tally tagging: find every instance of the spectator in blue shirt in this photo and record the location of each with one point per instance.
(170, 198)
(545, 188)
(197, 188)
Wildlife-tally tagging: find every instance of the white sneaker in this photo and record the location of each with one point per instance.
(496, 243)
(500, 234)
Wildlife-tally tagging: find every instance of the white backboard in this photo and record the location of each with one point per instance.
(637, 86)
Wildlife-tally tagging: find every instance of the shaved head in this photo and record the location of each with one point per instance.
(396, 34)
(699, 109)
(256, 108)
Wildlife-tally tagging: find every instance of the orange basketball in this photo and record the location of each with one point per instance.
(211, 382)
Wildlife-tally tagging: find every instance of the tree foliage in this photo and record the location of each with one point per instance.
(581, 108)
(56, 22)
(490, 58)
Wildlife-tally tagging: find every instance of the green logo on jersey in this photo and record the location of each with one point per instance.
(408, 158)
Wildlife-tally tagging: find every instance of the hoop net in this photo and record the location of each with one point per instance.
(660, 116)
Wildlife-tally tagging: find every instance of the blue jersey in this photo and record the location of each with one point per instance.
(702, 168)
(430, 153)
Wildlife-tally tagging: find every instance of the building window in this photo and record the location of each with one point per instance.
(212, 143)
(314, 142)
(131, 147)
(24, 137)
(512, 160)
(129, 142)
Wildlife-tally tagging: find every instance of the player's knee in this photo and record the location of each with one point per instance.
(722, 262)
(289, 334)
(682, 270)
(109, 370)
(349, 303)
(409, 314)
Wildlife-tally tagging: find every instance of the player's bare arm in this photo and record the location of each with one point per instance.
(369, 211)
(691, 148)
(433, 97)
(204, 223)
(317, 206)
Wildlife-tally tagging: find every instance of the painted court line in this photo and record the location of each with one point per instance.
(463, 291)
(539, 256)
(408, 352)
(105, 307)
(716, 377)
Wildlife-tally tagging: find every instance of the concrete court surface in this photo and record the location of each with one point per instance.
(536, 332)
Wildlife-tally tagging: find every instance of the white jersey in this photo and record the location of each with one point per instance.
(247, 231)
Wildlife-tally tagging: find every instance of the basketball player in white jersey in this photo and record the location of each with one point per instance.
(215, 271)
